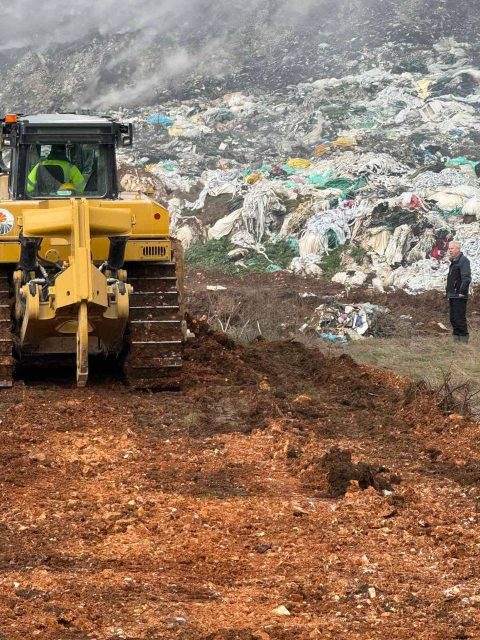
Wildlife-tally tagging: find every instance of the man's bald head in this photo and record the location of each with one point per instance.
(454, 249)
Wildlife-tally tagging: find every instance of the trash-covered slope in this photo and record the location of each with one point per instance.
(380, 165)
(290, 130)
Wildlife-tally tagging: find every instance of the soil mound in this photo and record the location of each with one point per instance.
(282, 494)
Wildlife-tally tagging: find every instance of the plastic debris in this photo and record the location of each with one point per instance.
(299, 163)
(307, 266)
(342, 322)
(161, 119)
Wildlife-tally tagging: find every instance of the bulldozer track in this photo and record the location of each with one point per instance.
(6, 337)
(155, 330)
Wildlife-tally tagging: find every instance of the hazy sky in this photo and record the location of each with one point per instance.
(198, 35)
(160, 43)
(25, 23)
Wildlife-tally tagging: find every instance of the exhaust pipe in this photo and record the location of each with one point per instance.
(116, 254)
(29, 252)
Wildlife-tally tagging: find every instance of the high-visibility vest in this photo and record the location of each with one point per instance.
(71, 173)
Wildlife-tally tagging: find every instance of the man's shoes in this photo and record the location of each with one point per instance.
(463, 339)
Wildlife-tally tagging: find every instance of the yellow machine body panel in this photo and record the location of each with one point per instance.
(148, 228)
(3, 187)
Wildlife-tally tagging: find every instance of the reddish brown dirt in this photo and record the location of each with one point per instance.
(279, 477)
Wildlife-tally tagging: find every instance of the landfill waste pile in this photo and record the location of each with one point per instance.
(374, 172)
(330, 155)
(388, 174)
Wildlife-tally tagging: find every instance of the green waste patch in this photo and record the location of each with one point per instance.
(212, 255)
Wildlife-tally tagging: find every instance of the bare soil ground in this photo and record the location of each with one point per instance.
(413, 339)
(281, 302)
(279, 477)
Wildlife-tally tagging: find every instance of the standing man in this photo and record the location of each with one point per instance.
(458, 282)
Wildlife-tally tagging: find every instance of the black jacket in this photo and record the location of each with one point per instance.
(459, 277)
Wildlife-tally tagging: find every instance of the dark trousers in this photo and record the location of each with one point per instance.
(458, 316)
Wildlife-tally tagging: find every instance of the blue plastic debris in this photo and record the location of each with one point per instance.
(458, 133)
(273, 268)
(161, 119)
(320, 180)
(332, 337)
(459, 162)
(169, 166)
(289, 170)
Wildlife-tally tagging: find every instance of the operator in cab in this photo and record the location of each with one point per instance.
(55, 173)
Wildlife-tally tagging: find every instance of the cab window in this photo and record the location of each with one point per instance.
(66, 170)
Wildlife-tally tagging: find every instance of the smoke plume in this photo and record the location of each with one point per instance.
(108, 53)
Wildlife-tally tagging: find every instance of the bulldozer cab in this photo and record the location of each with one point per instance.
(59, 156)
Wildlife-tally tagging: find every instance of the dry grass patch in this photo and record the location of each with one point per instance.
(451, 370)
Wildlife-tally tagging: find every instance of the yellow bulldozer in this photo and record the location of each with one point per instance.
(84, 269)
